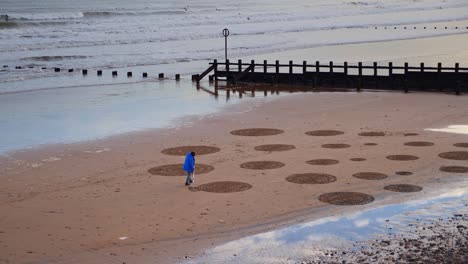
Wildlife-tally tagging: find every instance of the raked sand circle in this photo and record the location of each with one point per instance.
(322, 162)
(176, 170)
(275, 147)
(183, 150)
(311, 178)
(370, 176)
(222, 187)
(357, 159)
(372, 134)
(402, 157)
(262, 165)
(403, 173)
(335, 146)
(455, 155)
(419, 144)
(324, 133)
(454, 169)
(257, 132)
(403, 188)
(461, 145)
(346, 198)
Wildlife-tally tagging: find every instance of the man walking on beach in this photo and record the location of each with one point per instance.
(189, 167)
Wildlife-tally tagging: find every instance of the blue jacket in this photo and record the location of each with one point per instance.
(189, 164)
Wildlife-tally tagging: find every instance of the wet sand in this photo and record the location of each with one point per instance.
(96, 201)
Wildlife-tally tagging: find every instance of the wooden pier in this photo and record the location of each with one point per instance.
(381, 77)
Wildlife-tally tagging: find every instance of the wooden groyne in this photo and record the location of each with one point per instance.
(382, 77)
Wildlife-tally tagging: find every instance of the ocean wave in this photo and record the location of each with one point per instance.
(55, 58)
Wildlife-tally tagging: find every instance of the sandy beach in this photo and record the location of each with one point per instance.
(96, 201)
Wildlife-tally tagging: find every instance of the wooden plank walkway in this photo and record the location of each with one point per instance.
(382, 77)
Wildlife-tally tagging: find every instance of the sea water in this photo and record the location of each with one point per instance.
(39, 106)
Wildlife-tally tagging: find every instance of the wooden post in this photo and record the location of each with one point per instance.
(145, 75)
(84, 72)
(161, 76)
(227, 67)
(304, 67)
(55, 69)
(70, 70)
(277, 66)
(177, 77)
(114, 73)
(406, 68)
(99, 72)
(457, 67)
(215, 69)
(331, 66)
(129, 74)
(360, 76)
(265, 66)
(422, 67)
(390, 68)
(375, 69)
(252, 63)
(317, 66)
(290, 67)
(239, 65)
(439, 67)
(345, 67)
(376, 80)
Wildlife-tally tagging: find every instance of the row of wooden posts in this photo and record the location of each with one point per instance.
(421, 27)
(98, 72)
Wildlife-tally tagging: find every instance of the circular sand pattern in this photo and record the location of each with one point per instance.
(357, 159)
(257, 132)
(370, 144)
(322, 162)
(275, 147)
(311, 178)
(346, 198)
(403, 173)
(402, 157)
(455, 155)
(419, 144)
(183, 150)
(335, 146)
(403, 188)
(411, 134)
(222, 187)
(454, 169)
(461, 145)
(176, 170)
(372, 134)
(324, 133)
(262, 165)
(370, 176)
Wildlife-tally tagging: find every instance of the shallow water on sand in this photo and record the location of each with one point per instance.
(308, 240)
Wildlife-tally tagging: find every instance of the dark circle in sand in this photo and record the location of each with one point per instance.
(275, 147)
(454, 169)
(324, 133)
(411, 134)
(256, 132)
(461, 145)
(419, 144)
(357, 159)
(335, 146)
(262, 165)
(403, 188)
(346, 198)
(372, 134)
(183, 150)
(370, 144)
(402, 157)
(403, 173)
(322, 162)
(311, 178)
(222, 187)
(370, 176)
(176, 170)
(455, 155)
